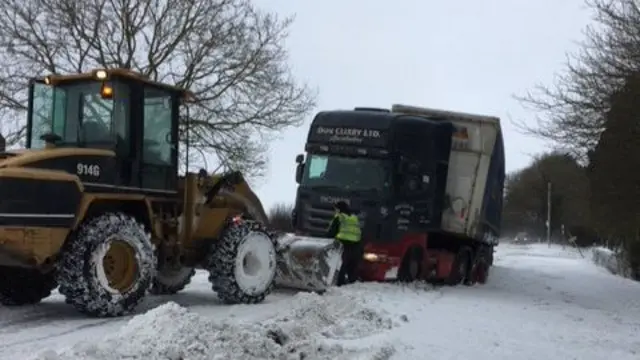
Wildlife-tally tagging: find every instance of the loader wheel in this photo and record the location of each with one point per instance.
(19, 286)
(170, 281)
(107, 266)
(242, 264)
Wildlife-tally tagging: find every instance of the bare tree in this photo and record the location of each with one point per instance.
(615, 192)
(525, 205)
(230, 54)
(573, 109)
(281, 217)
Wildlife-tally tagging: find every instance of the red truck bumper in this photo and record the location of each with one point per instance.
(378, 266)
(437, 265)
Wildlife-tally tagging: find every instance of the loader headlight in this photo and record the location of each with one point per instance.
(101, 74)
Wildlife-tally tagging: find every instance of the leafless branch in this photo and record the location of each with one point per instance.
(228, 52)
(573, 109)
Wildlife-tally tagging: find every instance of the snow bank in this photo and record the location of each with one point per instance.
(608, 259)
(306, 331)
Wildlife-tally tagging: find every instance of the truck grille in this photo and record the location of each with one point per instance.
(316, 218)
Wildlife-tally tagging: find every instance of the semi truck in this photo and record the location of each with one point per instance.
(427, 185)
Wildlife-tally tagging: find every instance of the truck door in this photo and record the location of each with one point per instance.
(417, 172)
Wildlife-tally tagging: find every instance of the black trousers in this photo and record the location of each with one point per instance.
(351, 256)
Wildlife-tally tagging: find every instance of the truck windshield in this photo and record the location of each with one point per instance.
(348, 173)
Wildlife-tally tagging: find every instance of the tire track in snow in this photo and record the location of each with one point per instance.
(50, 336)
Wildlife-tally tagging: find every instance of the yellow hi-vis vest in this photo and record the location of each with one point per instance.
(349, 229)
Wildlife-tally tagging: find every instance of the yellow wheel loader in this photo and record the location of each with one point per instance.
(95, 204)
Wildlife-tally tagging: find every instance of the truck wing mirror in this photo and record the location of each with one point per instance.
(299, 159)
(299, 171)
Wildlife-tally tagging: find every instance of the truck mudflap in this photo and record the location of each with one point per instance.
(307, 263)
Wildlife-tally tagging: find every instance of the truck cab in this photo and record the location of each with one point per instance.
(414, 178)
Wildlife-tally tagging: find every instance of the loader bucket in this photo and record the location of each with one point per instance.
(307, 263)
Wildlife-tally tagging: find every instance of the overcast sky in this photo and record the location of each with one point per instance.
(462, 55)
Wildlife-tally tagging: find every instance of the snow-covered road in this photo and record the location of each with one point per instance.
(539, 303)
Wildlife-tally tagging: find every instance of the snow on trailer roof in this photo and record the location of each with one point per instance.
(453, 115)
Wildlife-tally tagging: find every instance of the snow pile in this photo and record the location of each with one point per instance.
(608, 259)
(309, 330)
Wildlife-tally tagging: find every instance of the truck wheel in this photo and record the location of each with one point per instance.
(242, 264)
(483, 272)
(411, 266)
(460, 268)
(171, 281)
(20, 286)
(107, 266)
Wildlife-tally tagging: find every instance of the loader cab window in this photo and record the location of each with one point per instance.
(158, 126)
(47, 113)
(76, 112)
(96, 124)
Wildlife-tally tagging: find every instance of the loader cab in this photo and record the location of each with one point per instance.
(114, 110)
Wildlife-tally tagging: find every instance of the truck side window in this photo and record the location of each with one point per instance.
(411, 184)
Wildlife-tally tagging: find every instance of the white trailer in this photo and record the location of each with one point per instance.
(474, 204)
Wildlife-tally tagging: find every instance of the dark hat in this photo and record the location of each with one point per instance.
(342, 206)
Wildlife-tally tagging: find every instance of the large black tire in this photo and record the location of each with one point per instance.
(20, 286)
(107, 266)
(411, 266)
(171, 281)
(242, 264)
(460, 268)
(490, 256)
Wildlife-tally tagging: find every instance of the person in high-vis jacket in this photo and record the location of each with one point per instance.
(345, 228)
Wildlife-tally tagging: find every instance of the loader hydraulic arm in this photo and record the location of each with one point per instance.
(234, 192)
(228, 180)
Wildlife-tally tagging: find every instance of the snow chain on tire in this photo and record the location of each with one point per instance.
(20, 286)
(223, 263)
(171, 282)
(81, 269)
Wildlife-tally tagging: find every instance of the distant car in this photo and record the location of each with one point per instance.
(521, 239)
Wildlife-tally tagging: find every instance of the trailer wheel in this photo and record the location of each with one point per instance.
(20, 286)
(482, 272)
(490, 256)
(411, 266)
(460, 267)
(242, 264)
(107, 266)
(171, 281)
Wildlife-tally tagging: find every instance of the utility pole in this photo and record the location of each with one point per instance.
(549, 213)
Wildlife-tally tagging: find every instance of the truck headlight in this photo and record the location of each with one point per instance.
(372, 257)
